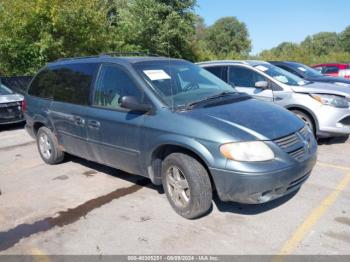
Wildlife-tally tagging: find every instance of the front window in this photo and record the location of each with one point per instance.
(112, 85)
(244, 77)
(180, 83)
(4, 90)
(281, 75)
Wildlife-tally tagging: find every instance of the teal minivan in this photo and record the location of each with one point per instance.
(172, 122)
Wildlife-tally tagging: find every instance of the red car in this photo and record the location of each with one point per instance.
(335, 69)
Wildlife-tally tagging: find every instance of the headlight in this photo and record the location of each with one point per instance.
(255, 151)
(331, 100)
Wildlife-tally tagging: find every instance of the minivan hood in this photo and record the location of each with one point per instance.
(249, 119)
(323, 88)
(10, 98)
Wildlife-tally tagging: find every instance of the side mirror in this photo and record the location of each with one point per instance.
(131, 103)
(262, 84)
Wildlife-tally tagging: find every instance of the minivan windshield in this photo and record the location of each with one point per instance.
(305, 70)
(281, 75)
(180, 83)
(4, 90)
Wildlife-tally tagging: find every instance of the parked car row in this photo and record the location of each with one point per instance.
(335, 69)
(324, 107)
(219, 125)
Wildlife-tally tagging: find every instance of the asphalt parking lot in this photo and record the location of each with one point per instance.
(83, 208)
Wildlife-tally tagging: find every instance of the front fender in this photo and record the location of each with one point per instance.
(188, 143)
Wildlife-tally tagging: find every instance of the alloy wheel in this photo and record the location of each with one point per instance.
(178, 186)
(45, 146)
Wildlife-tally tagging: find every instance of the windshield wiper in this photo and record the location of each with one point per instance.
(222, 94)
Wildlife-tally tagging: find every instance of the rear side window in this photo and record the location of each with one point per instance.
(219, 71)
(67, 83)
(73, 83)
(331, 70)
(43, 84)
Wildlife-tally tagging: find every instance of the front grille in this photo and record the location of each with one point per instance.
(10, 104)
(12, 110)
(287, 141)
(298, 154)
(294, 144)
(304, 131)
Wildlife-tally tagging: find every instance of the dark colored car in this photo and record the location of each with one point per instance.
(334, 69)
(172, 122)
(310, 74)
(11, 106)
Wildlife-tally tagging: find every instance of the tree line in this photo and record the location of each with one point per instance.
(319, 48)
(35, 32)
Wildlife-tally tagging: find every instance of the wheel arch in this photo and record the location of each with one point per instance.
(40, 121)
(161, 151)
(307, 112)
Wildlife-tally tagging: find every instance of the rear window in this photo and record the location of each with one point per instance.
(42, 85)
(4, 90)
(67, 83)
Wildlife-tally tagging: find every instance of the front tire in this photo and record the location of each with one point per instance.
(187, 185)
(48, 147)
(307, 120)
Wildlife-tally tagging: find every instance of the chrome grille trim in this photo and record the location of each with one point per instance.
(298, 154)
(304, 131)
(287, 141)
(293, 144)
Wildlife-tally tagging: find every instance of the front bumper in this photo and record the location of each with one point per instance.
(11, 120)
(333, 121)
(254, 188)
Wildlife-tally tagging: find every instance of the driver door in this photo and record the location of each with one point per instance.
(245, 80)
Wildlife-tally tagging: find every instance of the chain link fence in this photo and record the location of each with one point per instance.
(18, 84)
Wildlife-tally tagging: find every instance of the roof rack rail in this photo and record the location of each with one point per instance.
(74, 58)
(107, 54)
(129, 53)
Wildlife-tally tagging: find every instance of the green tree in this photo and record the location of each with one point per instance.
(228, 38)
(319, 48)
(35, 32)
(160, 26)
(345, 39)
(321, 43)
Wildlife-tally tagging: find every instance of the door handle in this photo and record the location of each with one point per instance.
(94, 124)
(79, 121)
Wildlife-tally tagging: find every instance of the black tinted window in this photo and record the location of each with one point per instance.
(243, 77)
(43, 84)
(73, 83)
(331, 70)
(219, 71)
(112, 85)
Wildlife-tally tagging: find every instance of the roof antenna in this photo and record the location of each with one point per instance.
(171, 80)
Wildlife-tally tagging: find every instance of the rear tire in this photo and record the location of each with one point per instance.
(48, 147)
(307, 120)
(187, 185)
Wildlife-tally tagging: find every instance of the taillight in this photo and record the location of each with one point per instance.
(24, 105)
